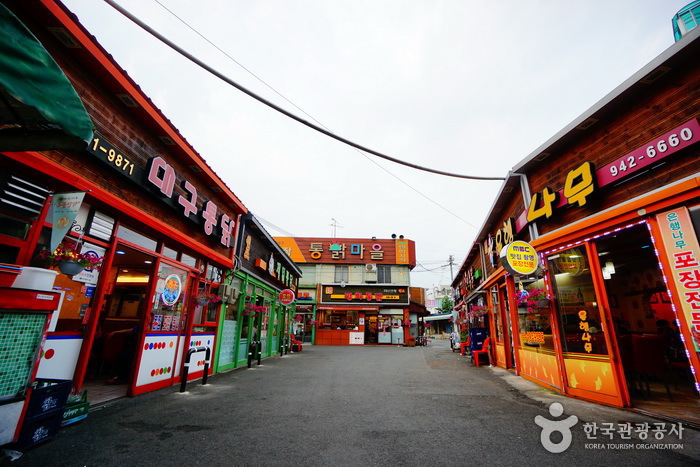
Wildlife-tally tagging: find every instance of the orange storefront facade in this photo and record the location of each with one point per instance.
(611, 209)
(354, 291)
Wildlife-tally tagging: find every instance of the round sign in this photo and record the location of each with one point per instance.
(519, 258)
(171, 290)
(286, 297)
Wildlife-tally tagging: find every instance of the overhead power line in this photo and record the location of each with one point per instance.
(309, 115)
(279, 109)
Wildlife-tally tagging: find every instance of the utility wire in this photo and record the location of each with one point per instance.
(310, 116)
(279, 109)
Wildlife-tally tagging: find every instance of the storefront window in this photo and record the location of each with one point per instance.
(169, 253)
(384, 274)
(336, 319)
(168, 306)
(14, 227)
(535, 323)
(188, 260)
(496, 314)
(342, 274)
(136, 238)
(577, 304)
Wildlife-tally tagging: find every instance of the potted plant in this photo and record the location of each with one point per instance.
(478, 311)
(533, 299)
(406, 322)
(252, 310)
(69, 261)
(205, 298)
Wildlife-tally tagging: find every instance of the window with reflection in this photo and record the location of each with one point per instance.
(577, 304)
(342, 274)
(339, 320)
(137, 238)
(498, 324)
(534, 320)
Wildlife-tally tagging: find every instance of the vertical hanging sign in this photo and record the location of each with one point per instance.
(683, 254)
(64, 208)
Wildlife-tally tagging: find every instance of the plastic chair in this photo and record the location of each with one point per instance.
(464, 346)
(295, 344)
(485, 348)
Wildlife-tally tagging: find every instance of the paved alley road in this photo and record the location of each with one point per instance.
(347, 406)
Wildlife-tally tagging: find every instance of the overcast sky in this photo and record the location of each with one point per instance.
(464, 86)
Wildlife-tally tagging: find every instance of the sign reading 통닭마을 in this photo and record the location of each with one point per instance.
(519, 258)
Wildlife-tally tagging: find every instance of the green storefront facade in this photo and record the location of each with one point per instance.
(253, 317)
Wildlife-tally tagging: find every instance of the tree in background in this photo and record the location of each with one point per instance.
(446, 305)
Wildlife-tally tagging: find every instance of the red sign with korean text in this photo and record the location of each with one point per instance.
(286, 297)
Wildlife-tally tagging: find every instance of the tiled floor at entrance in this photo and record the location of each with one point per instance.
(685, 405)
(99, 392)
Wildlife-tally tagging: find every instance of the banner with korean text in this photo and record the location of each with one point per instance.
(683, 254)
(64, 208)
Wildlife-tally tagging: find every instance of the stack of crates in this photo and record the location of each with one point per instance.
(44, 415)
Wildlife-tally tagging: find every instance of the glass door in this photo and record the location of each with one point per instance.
(162, 346)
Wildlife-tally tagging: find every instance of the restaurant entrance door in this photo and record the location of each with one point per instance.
(656, 367)
(116, 344)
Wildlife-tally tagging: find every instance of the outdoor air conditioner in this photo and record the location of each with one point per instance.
(228, 293)
(225, 292)
(370, 273)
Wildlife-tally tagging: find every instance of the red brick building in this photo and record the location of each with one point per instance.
(610, 207)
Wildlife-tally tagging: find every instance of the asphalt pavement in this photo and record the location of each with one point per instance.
(359, 406)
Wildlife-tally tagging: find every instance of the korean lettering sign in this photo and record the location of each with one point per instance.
(583, 181)
(683, 254)
(162, 176)
(337, 250)
(367, 294)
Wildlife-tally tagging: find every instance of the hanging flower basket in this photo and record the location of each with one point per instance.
(531, 300)
(478, 311)
(70, 268)
(406, 323)
(68, 259)
(252, 310)
(205, 298)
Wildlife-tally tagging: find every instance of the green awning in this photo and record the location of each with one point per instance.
(39, 108)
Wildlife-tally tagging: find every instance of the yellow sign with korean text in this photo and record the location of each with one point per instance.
(519, 258)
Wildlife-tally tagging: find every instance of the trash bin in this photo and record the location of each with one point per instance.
(411, 341)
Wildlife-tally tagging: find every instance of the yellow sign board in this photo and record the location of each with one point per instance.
(519, 258)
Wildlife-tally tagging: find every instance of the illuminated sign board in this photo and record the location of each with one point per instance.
(380, 294)
(519, 258)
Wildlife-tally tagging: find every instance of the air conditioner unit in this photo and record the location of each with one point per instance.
(225, 291)
(370, 273)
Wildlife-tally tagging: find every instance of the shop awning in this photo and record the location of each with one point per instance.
(438, 317)
(39, 108)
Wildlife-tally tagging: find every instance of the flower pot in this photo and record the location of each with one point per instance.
(202, 301)
(36, 279)
(544, 303)
(70, 268)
